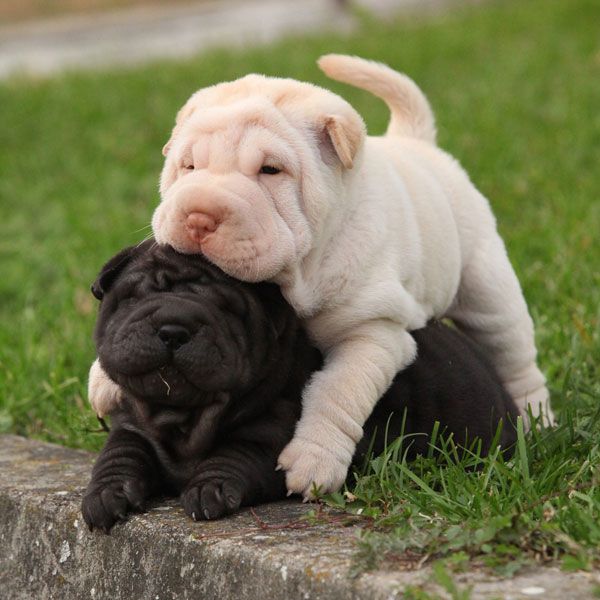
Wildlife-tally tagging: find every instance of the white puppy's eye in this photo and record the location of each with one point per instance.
(269, 170)
(188, 167)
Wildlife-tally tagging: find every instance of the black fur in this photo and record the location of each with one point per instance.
(213, 371)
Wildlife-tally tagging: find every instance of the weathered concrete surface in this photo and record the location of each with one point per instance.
(47, 552)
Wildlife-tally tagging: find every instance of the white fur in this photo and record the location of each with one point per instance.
(368, 237)
(103, 393)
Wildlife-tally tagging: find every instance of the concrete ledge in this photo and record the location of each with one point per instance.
(47, 552)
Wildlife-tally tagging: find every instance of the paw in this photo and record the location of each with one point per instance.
(538, 402)
(103, 393)
(308, 465)
(104, 505)
(213, 498)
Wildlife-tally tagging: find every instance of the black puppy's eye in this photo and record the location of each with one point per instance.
(269, 170)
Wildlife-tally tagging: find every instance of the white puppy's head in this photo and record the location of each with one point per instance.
(251, 171)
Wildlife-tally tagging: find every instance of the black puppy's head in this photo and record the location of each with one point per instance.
(174, 329)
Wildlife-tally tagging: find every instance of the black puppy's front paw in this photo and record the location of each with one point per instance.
(212, 498)
(104, 505)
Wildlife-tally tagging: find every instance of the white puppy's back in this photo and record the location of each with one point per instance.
(489, 303)
(410, 144)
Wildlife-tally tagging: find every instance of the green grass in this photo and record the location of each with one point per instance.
(516, 89)
(542, 505)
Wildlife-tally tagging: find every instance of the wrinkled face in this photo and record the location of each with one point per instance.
(175, 331)
(250, 171)
(232, 191)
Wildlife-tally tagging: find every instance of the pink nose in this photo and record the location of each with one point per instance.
(199, 225)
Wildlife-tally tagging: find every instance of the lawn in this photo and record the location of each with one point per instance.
(516, 90)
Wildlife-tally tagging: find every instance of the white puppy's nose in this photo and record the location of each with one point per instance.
(199, 225)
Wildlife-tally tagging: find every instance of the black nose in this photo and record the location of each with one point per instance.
(174, 336)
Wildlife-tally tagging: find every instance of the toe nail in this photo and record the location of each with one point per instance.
(194, 516)
(290, 492)
(206, 513)
(278, 467)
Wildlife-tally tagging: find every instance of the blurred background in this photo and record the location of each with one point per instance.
(48, 36)
(89, 90)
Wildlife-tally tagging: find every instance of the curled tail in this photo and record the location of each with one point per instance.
(411, 114)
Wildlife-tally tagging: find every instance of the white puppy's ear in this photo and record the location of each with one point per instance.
(184, 113)
(346, 135)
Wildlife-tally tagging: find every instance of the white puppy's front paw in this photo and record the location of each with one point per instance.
(308, 465)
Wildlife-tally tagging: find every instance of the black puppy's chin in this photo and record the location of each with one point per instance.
(190, 375)
(164, 386)
(181, 372)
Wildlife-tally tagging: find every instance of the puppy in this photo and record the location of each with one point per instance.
(212, 371)
(368, 237)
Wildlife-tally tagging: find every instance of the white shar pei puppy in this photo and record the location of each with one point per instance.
(368, 237)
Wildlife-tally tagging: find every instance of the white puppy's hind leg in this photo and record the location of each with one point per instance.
(491, 309)
(337, 402)
(103, 393)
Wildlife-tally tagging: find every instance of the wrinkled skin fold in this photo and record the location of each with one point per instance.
(211, 372)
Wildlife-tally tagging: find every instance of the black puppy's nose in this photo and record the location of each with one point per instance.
(174, 336)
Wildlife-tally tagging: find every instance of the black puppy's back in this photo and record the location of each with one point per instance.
(451, 382)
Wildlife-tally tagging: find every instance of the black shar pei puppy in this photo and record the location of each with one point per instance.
(212, 370)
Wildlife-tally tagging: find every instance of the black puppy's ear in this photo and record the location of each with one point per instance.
(114, 266)
(110, 271)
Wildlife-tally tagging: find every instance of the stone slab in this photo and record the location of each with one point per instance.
(46, 551)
